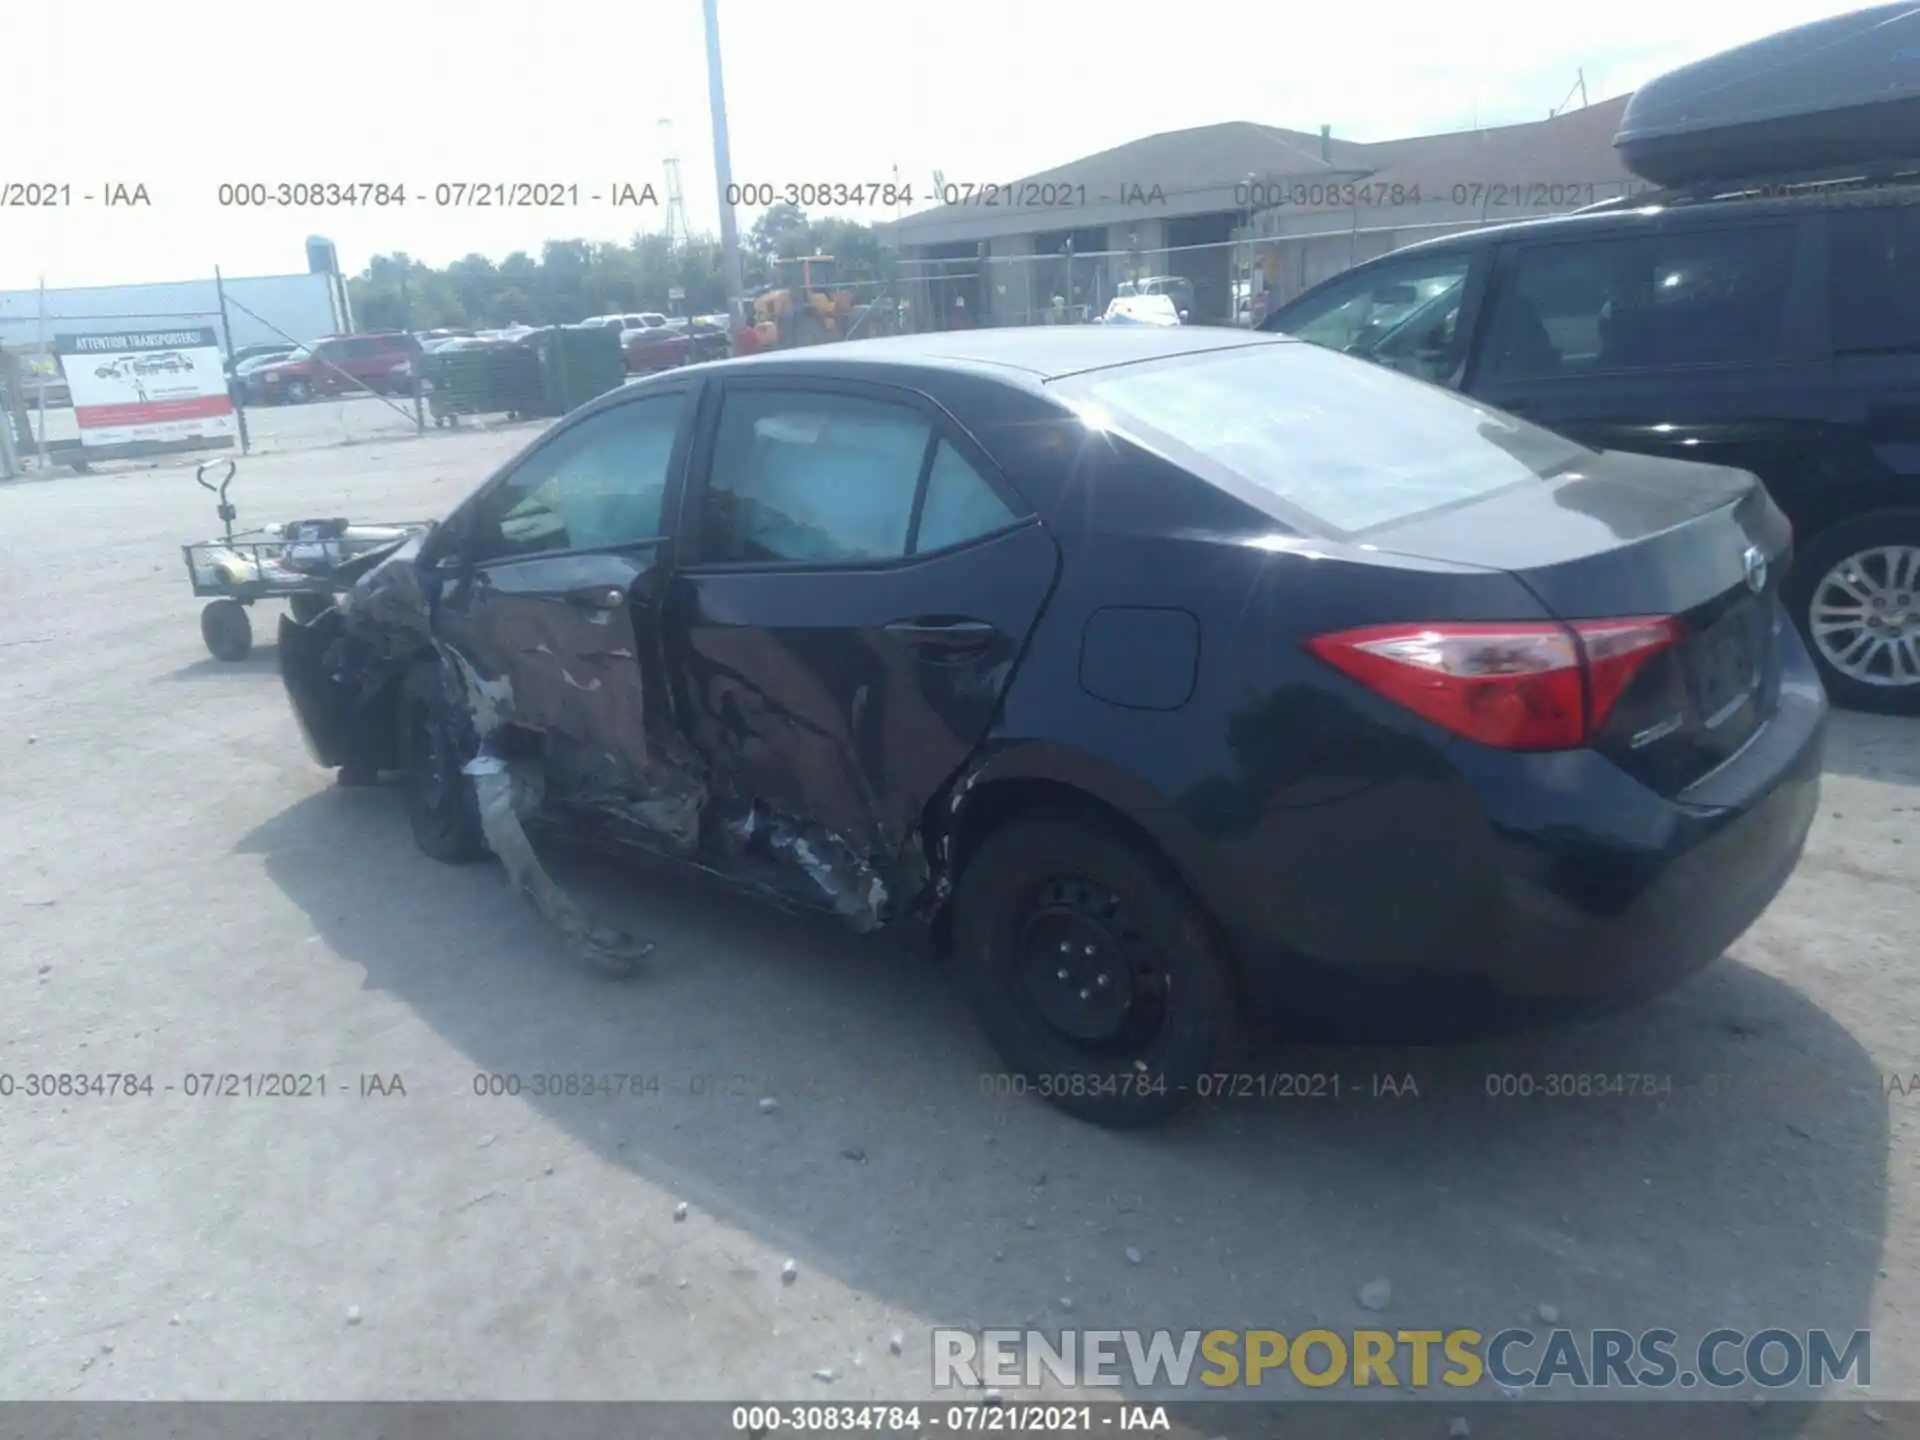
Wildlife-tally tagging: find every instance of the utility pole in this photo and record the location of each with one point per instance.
(678, 232)
(723, 170)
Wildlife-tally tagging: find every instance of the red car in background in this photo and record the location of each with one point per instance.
(340, 364)
(652, 349)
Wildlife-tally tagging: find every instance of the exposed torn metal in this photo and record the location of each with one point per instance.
(851, 885)
(506, 793)
(577, 748)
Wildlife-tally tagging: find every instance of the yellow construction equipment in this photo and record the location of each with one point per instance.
(808, 315)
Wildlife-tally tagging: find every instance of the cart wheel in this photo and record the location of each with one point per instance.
(226, 629)
(309, 608)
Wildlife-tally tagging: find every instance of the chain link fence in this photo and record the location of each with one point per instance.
(159, 372)
(301, 378)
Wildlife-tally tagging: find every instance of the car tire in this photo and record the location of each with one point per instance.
(298, 392)
(1881, 554)
(309, 608)
(227, 631)
(441, 806)
(1053, 880)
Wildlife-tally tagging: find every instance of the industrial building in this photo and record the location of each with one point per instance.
(258, 309)
(1250, 214)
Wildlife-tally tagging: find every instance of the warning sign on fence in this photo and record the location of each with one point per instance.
(143, 387)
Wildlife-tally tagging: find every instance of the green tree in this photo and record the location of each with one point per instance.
(571, 279)
(779, 229)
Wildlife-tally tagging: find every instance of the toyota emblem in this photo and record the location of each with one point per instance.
(1756, 567)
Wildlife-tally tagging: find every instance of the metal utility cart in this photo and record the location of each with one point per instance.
(295, 562)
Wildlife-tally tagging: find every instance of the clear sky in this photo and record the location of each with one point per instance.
(182, 97)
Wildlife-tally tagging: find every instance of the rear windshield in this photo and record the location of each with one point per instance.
(1311, 436)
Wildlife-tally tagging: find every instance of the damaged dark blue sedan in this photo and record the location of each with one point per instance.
(1175, 677)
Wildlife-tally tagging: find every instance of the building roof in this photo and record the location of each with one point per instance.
(1571, 149)
(1198, 171)
(1189, 160)
(1194, 170)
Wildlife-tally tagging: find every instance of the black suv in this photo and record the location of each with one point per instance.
(1775, 328)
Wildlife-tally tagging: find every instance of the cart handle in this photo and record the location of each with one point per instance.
(200, 478)
(225, 511)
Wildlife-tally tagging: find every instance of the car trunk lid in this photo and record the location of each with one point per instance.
(1622, 536)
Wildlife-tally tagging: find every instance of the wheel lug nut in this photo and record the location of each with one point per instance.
(1066, 947)
(1086, 994)
(1101, 981)
(1061, 973)
(1088, 950)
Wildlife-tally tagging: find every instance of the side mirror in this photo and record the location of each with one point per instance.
(441, 549)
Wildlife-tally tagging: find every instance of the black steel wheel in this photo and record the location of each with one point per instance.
(441, 807)
(227, 631)
(1092, 970)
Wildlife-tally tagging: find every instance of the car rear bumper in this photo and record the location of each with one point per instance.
(1548, 884)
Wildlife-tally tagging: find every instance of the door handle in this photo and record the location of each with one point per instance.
(600, 597)
(949, 636)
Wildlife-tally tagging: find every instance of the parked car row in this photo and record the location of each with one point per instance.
(332, 365)
(385, 362)
(381, 363)
(640, 320)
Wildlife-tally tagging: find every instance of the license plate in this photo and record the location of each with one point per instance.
(1724, 669)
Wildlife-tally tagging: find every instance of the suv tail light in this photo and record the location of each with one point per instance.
(1522, 685)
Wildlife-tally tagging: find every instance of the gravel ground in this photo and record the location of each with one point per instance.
(183, 892)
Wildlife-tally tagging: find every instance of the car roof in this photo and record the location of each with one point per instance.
(1031, 352)
(1658, 207)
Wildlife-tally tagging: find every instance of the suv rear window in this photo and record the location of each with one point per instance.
(1321, 441)
(1873, 260)
(1701, 297)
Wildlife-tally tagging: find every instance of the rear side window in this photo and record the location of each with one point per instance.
(1708, 297)
(959, 504)
(1321, 441)
(1873, 259)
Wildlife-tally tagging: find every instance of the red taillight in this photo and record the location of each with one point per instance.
(1521, 685)
(1615, 651)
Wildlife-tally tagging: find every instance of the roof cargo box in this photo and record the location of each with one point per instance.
(1836, 93)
